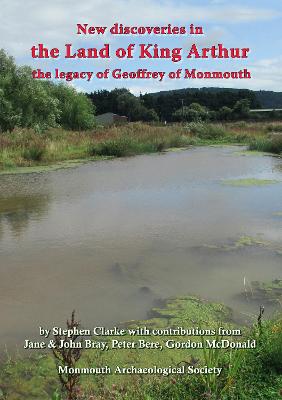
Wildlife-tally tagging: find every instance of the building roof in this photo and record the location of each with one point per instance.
(266, 109)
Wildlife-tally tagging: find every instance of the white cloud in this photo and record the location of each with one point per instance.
(267, 74)
(215, 35)
(24, 23)
(74, 85)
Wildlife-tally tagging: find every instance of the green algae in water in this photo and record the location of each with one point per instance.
(245, 242)
(266, 291)
(188, 311)
(176, 149)
(252, 153)
(37, 169)
(245, 182)
(242, 241)
(250, 241)
(277, 214)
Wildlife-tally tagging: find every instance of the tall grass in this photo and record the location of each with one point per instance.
(25, 147)
(34, 153)
(272, 144)
(130, 144)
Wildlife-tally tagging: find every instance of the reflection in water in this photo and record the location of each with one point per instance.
(16, 212)
(109, 238)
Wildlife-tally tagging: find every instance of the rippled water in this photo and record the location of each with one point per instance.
(109, 238)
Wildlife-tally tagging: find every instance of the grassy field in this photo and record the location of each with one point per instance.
(27, 148)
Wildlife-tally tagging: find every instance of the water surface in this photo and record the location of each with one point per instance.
(109, 238)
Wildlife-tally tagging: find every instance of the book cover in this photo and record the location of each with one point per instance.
(140, 200)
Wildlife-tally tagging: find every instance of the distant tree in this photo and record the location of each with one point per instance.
(242, 108)
(224, 114)
(167, 103)
(128, 104)
(34, 100)
(134, 109)
(107, 101)
(149, 115)
(193, 113)
(76, 110)
(8, 117)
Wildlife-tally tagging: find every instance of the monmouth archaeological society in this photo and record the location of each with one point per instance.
(133, 370)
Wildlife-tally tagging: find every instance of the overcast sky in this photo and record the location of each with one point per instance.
(245, 23)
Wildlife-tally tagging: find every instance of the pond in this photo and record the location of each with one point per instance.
(110, 238)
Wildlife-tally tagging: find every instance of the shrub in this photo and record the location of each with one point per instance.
(116, 148)
(194, 113)
(34, 153)
(207, 131)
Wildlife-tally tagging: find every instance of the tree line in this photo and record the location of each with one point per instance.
(123, 102)
(168, 103)
(177, 106)
(184, 105)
